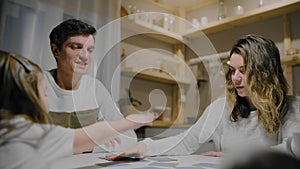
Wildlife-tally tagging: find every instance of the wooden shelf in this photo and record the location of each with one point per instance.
(160, 123)
(154, 31)
(259, 14)
(154, 75)
(291, 60)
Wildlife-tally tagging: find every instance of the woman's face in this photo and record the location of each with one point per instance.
(42, 93)
(237, 69)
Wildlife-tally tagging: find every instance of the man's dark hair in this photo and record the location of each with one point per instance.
(69, 28)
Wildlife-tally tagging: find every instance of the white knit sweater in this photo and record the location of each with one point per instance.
(215, 125)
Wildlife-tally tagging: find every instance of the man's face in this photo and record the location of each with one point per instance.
(76, 54)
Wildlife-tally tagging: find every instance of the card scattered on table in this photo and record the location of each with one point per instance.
(163, 164)
(162, 159)
(210, 165)
(112, 163)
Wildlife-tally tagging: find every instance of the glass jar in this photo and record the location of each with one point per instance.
(238, 9)
(221, 10)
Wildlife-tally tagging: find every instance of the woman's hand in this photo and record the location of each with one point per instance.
(213, 154)
(137, 151)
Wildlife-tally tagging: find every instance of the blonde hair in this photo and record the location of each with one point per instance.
(19, 88)
(266, 82)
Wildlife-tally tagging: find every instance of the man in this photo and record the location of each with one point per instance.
(75, 98)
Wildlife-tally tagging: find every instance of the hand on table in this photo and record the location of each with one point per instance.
(213, 154)
(137, 151)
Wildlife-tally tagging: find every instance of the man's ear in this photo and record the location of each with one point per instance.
(54, 50)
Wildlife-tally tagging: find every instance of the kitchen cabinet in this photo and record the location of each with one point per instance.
(278, 9)
(165, 73)
(182, 35)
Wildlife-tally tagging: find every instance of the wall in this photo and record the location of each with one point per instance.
(26, 24)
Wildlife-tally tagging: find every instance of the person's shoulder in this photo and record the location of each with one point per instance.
(293, 98)
(46, 73)
(217, 106)
(292, 108)
(220, 100)
(48, 76)
(293, 101)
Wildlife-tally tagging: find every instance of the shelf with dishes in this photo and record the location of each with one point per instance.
(142, 26)
(287, 60)
(145, 26)
(255, 15)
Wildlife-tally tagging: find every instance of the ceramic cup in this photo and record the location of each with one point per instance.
(204, 20)
(293, 144)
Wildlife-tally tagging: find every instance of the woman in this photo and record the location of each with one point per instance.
(28, 139)
(256, 111)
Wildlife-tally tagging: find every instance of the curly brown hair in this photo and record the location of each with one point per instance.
(265, 79)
